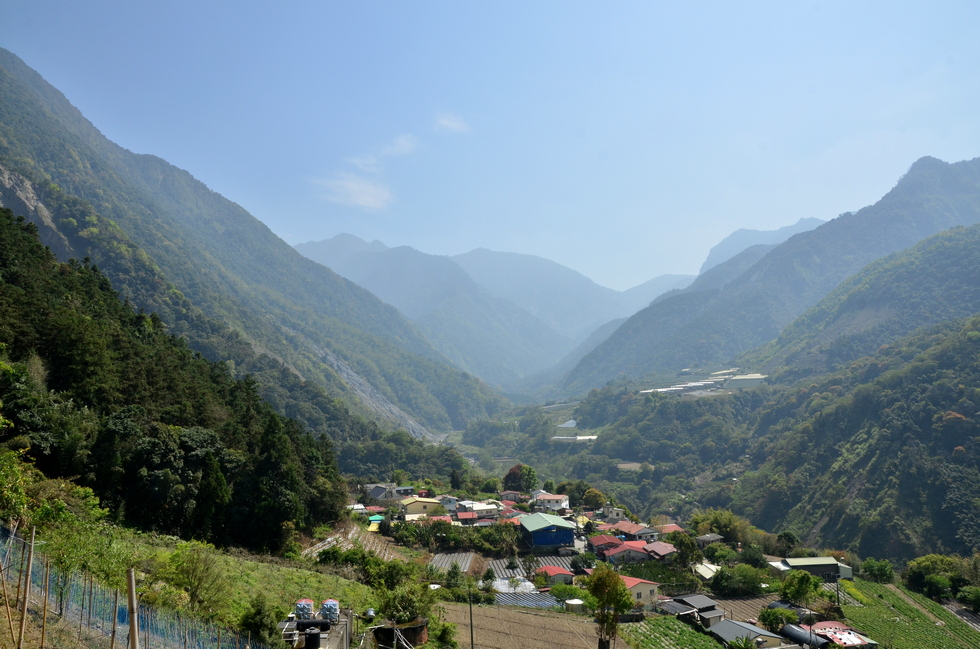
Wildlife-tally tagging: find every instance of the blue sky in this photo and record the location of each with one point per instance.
(621, 139)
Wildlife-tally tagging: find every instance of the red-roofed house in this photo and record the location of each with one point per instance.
(556, 575)
(507, 503)
(447, 519)
(511, 495)
(659, 550)
(669, 527)
(513, 521)
(644, 592)
(551, 502)
(634, 531)
(466, 518)
(374, 509)
(628, 552)
(603, 542)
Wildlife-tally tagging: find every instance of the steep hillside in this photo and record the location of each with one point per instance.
(743, 238)
(934, 281)
(230, 265)
(168, 441)
(481, 333)
(683, 330)
(887, 466)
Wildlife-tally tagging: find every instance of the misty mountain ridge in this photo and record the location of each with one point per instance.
(481, 333)
(743, 238)
(480, 329)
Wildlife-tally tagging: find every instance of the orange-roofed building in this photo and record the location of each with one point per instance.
(644, 592)
(556, 575)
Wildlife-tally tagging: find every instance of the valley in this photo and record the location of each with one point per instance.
(181, 389)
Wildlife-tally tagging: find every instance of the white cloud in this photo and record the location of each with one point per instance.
(450, 122)
(402, 145)
(374, 162)
(349, 189)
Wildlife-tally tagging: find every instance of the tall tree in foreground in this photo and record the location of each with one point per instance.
(612, 599)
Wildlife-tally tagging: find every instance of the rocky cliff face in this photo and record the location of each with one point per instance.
(20, 195)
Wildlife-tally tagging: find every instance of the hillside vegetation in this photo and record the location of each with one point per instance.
(228, 264)
(934, 281)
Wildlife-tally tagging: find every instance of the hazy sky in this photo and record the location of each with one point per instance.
(622, 139)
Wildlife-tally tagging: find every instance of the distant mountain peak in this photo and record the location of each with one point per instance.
(744, 238)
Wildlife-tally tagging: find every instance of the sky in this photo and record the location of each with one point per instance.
(621, 139)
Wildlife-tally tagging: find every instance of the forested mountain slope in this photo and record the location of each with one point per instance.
(168, 440)
(230, 265)
(480, 332)
(881, 457)
(690, 329)
(934, 281)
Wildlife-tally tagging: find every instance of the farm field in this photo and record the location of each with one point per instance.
(665, 633)
(904, 620)
(511, 628)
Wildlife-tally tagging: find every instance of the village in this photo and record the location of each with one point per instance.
(559, 546)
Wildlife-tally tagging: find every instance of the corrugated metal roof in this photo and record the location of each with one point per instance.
(536, 522)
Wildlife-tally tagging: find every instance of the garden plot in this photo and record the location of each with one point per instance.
(665, 633)
(504, 628)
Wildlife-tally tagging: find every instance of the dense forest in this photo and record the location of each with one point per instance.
(168, 441)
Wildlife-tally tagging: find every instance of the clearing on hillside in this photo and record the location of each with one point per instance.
(511, 628)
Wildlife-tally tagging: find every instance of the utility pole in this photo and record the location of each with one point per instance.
(134, 627)
(469, 596)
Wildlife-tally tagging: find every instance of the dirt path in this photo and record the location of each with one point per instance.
(914, 603)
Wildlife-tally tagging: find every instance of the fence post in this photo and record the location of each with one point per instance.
(44, 614)
(134, 627)
(6, 603)
(27, 591)
(115, 619)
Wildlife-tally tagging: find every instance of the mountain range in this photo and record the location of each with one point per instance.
(709, 323)
(504, 317)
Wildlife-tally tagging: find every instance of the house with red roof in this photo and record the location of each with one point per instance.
(627, 552)
(598, 544)
(644, 592)
(551, 502)
(632, 531)
(668, 528)
(556, 575)
(466, 518)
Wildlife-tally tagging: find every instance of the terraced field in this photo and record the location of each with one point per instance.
(901, 619)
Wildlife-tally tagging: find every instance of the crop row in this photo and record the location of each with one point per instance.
(665, 633)
(894, 622)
